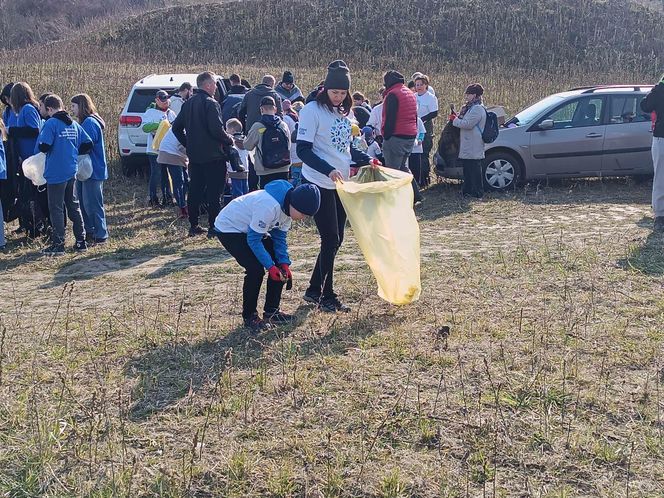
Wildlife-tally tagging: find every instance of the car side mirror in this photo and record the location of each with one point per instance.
(547, 124)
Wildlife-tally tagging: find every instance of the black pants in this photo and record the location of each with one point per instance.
(238, 247)
(253, 177)
(206, 178)
(265, 179)
(331, 222)
(472, 177)
(415, 166)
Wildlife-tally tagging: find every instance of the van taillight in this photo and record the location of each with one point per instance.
(131, 121)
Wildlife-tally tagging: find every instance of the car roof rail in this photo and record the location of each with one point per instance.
(580, 88)
(635, 88)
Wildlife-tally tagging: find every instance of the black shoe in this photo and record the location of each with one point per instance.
(257, 325)
(54, 250)
(81, 246)
(212, 233)
(278, 318)
(197, 230)
(99, 241)
(659, 224)
(311, 297)
(333, 305)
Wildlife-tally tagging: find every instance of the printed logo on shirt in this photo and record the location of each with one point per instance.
(341, 133)
(261, 224)
(69, 133)
(301, 131)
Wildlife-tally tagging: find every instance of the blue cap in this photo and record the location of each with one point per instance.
(306, 199)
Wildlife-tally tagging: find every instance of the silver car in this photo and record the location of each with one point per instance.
(584, 132)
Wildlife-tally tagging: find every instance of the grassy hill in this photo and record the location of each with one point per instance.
(518, 33)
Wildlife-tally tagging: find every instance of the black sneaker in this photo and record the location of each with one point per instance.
(278, 318)
(659, 224)
(212, 233)
(311, 297)
(54, 250)
(197, 230)
(333, 305)
(257, 325)
(81, 246)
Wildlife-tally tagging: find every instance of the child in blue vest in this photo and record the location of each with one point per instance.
(62, 140)
(253, 230)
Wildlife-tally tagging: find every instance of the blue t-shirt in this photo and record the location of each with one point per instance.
(9, 117)
(28, 116)
(65, 140)
(98, 153)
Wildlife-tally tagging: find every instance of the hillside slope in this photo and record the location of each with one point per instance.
(518, 33)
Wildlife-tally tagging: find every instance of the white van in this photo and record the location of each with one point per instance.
(132, 140)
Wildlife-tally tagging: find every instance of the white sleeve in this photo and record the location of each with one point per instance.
(261, 221)
(433, 106)
(308, 124)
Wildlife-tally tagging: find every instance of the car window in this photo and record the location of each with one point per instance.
(528, 115)
(577, 113)
(142, 98)
(625, 109)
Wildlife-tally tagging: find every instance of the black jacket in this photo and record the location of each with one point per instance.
(200, 129)
(250, 110)
(654, 101)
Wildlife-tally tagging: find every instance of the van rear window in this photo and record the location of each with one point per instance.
(142, 98)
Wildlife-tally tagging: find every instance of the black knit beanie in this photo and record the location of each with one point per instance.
(392, 77)
(338, 76)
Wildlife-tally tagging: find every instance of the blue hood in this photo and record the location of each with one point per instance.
(279, 190)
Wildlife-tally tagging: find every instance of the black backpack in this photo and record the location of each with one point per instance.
(275, 148)
(491, 128)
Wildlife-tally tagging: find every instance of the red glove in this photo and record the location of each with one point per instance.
(375, 163)
(285, 269)
(275, 274)
(452, 116)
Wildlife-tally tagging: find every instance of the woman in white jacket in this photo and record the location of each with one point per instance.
(471, 120)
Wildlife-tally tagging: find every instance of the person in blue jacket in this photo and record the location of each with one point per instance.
(253, 230)
(3, 176)
(91, 191)
(28, 120)
(62, 140)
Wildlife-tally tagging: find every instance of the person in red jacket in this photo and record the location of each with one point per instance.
(399, 124)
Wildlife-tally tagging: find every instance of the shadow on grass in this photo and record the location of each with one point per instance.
(93, 265)
(168, 374)
(622, 190)
(441, 200)
(647, 258)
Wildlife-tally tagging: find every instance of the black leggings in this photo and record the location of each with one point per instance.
(238, 247)
(331, 222)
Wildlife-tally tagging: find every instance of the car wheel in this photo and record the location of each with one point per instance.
(501, 171)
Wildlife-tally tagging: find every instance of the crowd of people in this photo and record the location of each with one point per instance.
(268, 155)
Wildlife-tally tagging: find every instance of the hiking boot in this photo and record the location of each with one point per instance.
(659, 224)
(257, 325)
(194, 231)
(278, 317)
(81, 246)
(54, 250)
(333, 305)
(311, 297)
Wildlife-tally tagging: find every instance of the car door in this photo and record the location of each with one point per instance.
(628, 137)
(574, 145)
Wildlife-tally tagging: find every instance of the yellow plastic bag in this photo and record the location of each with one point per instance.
(159, 135)
(379, 204)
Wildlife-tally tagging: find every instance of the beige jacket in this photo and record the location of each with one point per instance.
(254, 140)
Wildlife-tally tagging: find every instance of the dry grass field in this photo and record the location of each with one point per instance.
(531, 366)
